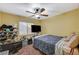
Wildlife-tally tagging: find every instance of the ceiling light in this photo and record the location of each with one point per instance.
(37, 16)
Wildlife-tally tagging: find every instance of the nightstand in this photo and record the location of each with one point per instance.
(24, 43)
(29, 41)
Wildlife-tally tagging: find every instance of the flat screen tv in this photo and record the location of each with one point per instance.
(36, 28)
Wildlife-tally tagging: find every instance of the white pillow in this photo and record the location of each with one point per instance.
(70, 36)
(74, 41)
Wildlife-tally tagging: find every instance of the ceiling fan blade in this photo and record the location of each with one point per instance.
(31, 15)
(30, 12)
(38, 17)
(36, 10)
(42, 10)
(44, 15)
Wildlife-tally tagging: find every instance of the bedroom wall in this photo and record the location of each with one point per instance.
(0, 18)
(63, 24)
(7, 18)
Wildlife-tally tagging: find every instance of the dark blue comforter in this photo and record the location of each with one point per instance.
(46, 43)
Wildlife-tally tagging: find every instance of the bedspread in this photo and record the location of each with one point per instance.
(46, 43)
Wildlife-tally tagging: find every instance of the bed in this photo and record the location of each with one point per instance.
(46, 43)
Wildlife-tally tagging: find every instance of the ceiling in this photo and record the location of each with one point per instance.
(52, 8)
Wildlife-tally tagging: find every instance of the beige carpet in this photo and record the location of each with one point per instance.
(29, 50)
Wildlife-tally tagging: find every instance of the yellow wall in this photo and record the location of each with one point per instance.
(0, 18)
(63, 24)
(9, 19)
(6, 18)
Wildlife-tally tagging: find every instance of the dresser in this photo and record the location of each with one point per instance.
(12, 47)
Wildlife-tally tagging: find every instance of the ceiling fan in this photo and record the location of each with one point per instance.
(38, 12)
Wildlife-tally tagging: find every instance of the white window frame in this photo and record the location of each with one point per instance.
(25, 28)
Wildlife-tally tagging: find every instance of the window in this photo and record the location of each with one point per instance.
(29, 28)
(25, 28)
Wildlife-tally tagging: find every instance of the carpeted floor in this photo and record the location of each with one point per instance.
(29, 50)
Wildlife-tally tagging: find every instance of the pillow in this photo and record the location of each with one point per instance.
(69, 37)
(74, 41)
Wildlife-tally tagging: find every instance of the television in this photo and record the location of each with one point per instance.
(35, 28)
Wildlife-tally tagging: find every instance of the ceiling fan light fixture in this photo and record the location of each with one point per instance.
(37, 16)
(38, 12)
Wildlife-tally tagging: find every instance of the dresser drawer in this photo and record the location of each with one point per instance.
(1, 48)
